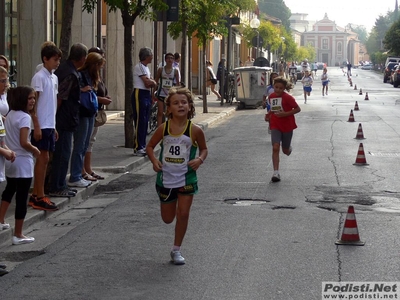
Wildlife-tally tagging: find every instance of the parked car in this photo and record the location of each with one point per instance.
(367, 67)
(396, 76)
(388, 71)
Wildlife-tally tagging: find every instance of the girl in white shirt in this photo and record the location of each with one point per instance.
(19, 173)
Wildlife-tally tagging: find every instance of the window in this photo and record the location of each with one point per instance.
(339, 47)
(325, 45)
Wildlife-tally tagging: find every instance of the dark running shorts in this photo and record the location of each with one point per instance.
(48, 141)
(168, 195)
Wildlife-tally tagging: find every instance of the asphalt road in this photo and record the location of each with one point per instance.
(247, 238)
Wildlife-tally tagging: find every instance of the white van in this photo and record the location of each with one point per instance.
(392, 59)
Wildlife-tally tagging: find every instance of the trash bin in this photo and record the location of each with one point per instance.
(250, 85)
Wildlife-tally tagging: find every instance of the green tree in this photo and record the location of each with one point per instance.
(392, 39)
(206, 19)
(277, 9)
(130, 10)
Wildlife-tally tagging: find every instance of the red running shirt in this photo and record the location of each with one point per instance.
(286, 103)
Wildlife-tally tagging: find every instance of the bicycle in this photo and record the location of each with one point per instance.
(230, 93)
(152, 124)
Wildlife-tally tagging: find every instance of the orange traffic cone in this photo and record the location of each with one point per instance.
(356, 106)
(351, 117)
(360, 93)
(355, 87)
(366, 96)
(350, 234)
(360, 134)
(360, 159)
(351, 83)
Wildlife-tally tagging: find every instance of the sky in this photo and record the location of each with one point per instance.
(359, 12)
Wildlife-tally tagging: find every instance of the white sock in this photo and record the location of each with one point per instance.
(176, 248)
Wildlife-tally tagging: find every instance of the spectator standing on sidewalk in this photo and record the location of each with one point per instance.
(89, 80)
(104, 100)
(67, 118)
(166, 77)
(44, 135)
(5, 152)
(282, 122)
(142, 99)
(212, 79)
(177, 164)
(4, 85)
(19, 172)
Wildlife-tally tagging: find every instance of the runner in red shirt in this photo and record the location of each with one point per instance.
(282, 121)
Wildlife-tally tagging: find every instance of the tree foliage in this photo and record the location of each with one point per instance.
(205, 19)
(277, 9)
(130, 10)
(392, 39)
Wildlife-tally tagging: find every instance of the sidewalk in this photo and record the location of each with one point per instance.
(110, 159)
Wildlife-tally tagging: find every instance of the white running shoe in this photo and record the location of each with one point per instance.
(276, 178)
(80, 183)
(177, 258)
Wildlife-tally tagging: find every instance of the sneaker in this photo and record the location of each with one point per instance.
(80, 183)
(24, 240)
(31, 200)
(44, 203)
(276, 178)
(72, 190)
(4, 226)
(63, 193)
(3, 272)
(140, 152)
(176, 258)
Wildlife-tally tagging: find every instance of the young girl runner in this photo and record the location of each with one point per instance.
(307, 82)
(325, 82)
(20, 172)
(177, 164)
(282, 122)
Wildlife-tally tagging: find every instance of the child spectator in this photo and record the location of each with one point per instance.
(176, 167)
(282, 122)
(44, 135)
(19, 172)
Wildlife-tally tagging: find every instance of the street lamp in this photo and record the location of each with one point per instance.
(255, 23)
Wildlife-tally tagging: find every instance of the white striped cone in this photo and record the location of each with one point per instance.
(360, 159)
(350, 234)
(360, 134)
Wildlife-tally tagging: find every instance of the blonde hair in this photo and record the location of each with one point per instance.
(7, 62)
(4, 71)
(189, 96)
(92, 65)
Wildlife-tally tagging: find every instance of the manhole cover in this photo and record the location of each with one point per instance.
(245, 201)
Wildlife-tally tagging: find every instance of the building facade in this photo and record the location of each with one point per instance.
(333, 44)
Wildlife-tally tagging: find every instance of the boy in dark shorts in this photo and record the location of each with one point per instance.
(44, 135)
